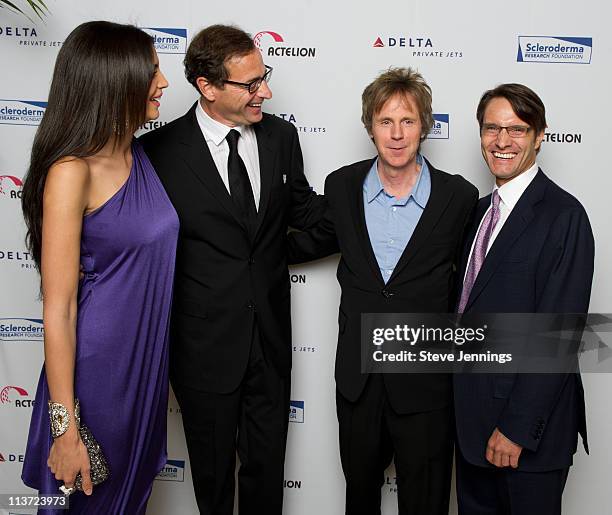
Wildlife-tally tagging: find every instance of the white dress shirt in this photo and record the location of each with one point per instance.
(214, 133)
(509, 195)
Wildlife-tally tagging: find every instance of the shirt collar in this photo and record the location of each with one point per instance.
(510, 192)
(373, 187)
(420, 192)
(213, 130)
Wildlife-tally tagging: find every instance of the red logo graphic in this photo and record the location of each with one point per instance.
(9, 178)
(378, 43)
(1, 458)
(4, 393)
(257, 39)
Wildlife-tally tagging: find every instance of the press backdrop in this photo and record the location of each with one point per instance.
(323, 54)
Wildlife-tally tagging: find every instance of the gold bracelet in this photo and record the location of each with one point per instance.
(60, 419)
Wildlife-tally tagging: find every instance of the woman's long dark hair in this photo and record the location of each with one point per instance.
(98, 93)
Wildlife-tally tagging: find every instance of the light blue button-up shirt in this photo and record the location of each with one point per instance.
(390, 221)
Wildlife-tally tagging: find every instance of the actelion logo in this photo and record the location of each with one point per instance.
(151, 125)
(554, 49)
(10, 187)
(17, 393)
(5, 393)
(268, 43)
(563, 137)
(274, 35)
(21, 329)
(21, 112)
(440, 128)
(168, 40)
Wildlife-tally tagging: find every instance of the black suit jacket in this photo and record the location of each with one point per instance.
(540, 262)
(422, 281)
(224, 279)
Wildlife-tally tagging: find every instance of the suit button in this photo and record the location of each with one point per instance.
(251, 260)
(251, 305)
(387, 294)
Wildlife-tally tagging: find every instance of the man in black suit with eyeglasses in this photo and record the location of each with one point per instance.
(235, 176)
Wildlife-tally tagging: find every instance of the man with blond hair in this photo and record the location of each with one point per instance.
(398, 223)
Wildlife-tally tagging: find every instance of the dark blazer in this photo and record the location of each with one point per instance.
(224, 279)
(421, 282)
(541, 262)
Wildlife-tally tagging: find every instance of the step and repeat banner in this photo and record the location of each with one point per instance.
(323, 55)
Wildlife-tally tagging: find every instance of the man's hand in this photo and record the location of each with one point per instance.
(502, 452)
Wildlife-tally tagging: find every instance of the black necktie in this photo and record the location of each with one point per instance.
(240, 186)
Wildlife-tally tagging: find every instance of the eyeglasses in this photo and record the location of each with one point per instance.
(252, 86)
(514, 131)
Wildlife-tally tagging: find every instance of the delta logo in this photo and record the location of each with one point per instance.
(271, 44)
(26, 36)
(21, 258)
(18, 32)
(12, 458)
(10, 187)
(305, 128)
(391, 484)
(15, 395)
(21, 330)
(419, 46)
(21, 112)
(168, 41)
(174, 470)
(554, 49)
(296, 412)
(439, 129)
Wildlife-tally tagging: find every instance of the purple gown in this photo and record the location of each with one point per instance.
(128, 248)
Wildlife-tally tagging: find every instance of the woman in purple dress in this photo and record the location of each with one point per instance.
(92, 200)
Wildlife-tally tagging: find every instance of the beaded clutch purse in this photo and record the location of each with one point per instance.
(60, 419)
(98, 466)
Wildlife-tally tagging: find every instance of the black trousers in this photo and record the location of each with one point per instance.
(372, 433)
(507, 491)
(252, 420)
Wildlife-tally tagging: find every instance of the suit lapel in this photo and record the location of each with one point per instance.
(200, 162)
(355, 197)
(439, 199)
(265, 149)
(515, 225)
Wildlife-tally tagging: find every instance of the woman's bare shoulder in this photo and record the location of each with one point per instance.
(68, 178)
